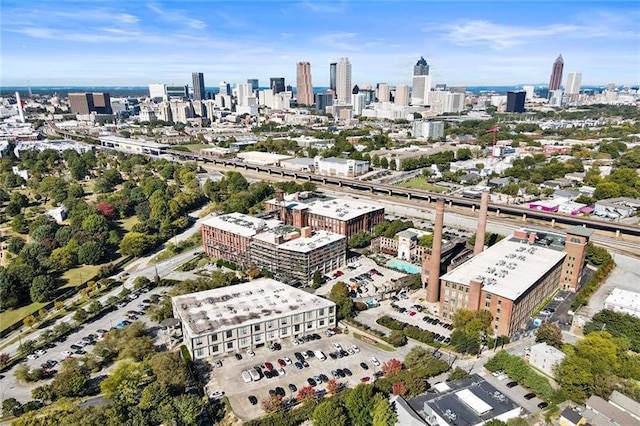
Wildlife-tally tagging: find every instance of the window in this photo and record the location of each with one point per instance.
(229, 333)
(215, 348)
(284, 331)
(229, 345)
(487, 304)
(283, 321)
(256, 327)
(244, 341)
(199, 352)
(321, 323)
(198, 341)
(330, 309)
(296, 327)
(309, 325)
(499, 302)
(214, 337)
(321, 312)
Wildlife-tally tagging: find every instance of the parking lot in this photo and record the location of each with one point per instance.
(516, 393)
(228, 377)
(370, 287)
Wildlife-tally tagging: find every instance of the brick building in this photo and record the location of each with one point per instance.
(515, 276)
(323, 213)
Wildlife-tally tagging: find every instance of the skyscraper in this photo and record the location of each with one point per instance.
(574, 79)
(255, 85)
(198, 86)
(304, 88)
(384, 94)
(225, 88)
(277, 84)
(332, 76)
(86, 103)
(515, 101)
(556, 74)
(402, 95)
(421, 84)
(343, 81)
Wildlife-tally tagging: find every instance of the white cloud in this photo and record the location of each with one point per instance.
(318, 7)
(340, 41)
(177, 16)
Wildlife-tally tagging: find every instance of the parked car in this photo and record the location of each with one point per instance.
(292, 387)
(253, 400)
(218, 364)
(298, 365)
(529, 396)
(287, 360)
(512, 384)
(364, 366)
(32, 357)
(543, 405)
(312, 382)
(375, 361)
(347, 372)
(40, 352)
(251, 353)
(281, 371)
(281, 363)
(246, 376)
(238, 356)
(268, 366)
(66, 353)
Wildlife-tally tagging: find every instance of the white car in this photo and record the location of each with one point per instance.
(81, 343)
(216, 395)
(66, 353)
(355, 348)
(350, 351)
(246, 376)
(375, 361)
(40, 352)
(295, 342)
(337, 346)
(251, 353)
(280, 371)
(32, 356)
(287, 360)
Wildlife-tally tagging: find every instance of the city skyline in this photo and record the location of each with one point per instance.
(478, 43)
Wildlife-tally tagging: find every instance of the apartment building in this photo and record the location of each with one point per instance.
(324, 213)
(294, 255)
(515, 276)
(249, 315)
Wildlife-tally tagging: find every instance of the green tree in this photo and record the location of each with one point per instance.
(90, 253)
(29, 321)
(43, 288)
(457, 374)
(135, 244)
(383, 413)
(123, 382)
(95, 307)
(360, 239)
(15, 244)
(550, 334)
(340, 295)
(19, 224)
(11, 405)
(80, 316)
(170, 369)
(187, 409)
(330, 413)
(317, 279)
(71, 379)
(358, 404)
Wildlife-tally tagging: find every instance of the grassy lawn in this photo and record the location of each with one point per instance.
(421, 183)
(377, 344)
(128, 223)
(195, 147)
(12, 316)
(82, 273)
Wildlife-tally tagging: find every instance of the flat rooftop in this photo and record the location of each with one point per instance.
(335, 208)
(627, 300)
(316, 240)
(249, 303)
(135, 142)
(510, 267)
(465, 402)
(241, 224)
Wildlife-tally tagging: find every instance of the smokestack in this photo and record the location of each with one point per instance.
(433, 285)
(20, 111)
(482, 223)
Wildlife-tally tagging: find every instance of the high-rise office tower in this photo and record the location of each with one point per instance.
(255, 85)
(323, 100)
(225, 88)
(198, 86)
(86, 103)
(384, 94)
(304, 88)
(402, 95)
(421, 67)
(244, 92)
(176, 91)
(343, 81)
(421, 84)
(515, 101)
(157, 91)
(332, 76)
(574, 79)
(556, 74)
(277, 84)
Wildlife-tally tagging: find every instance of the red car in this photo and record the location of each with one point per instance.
(365, 379)
(412, 313)
(282, 363)
(268, 366)
(339, 273)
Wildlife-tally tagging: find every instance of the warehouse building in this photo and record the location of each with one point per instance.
(250, 315)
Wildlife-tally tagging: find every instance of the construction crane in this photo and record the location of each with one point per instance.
(493, 130)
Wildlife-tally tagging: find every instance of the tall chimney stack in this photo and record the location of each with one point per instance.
(482, 223)
(433, 285)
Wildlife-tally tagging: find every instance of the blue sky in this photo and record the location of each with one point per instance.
(466, 43)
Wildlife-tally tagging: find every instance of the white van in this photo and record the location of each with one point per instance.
(246, 376)
(319, 355)
(254, 374)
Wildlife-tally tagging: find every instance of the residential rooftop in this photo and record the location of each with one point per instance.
(241, 224)
(299, 243)
(133, 142)
(336, 208)
(467, 402)
(243, 304)
(510, 267)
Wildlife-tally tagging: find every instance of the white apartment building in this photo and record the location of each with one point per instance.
(444, 101)
(428, 129)
(545, 358)
(384, 93)
(420, 89)
(249, 315)
(359, 102)
(343, 81)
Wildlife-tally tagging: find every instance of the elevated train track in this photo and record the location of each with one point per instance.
(389, 190)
